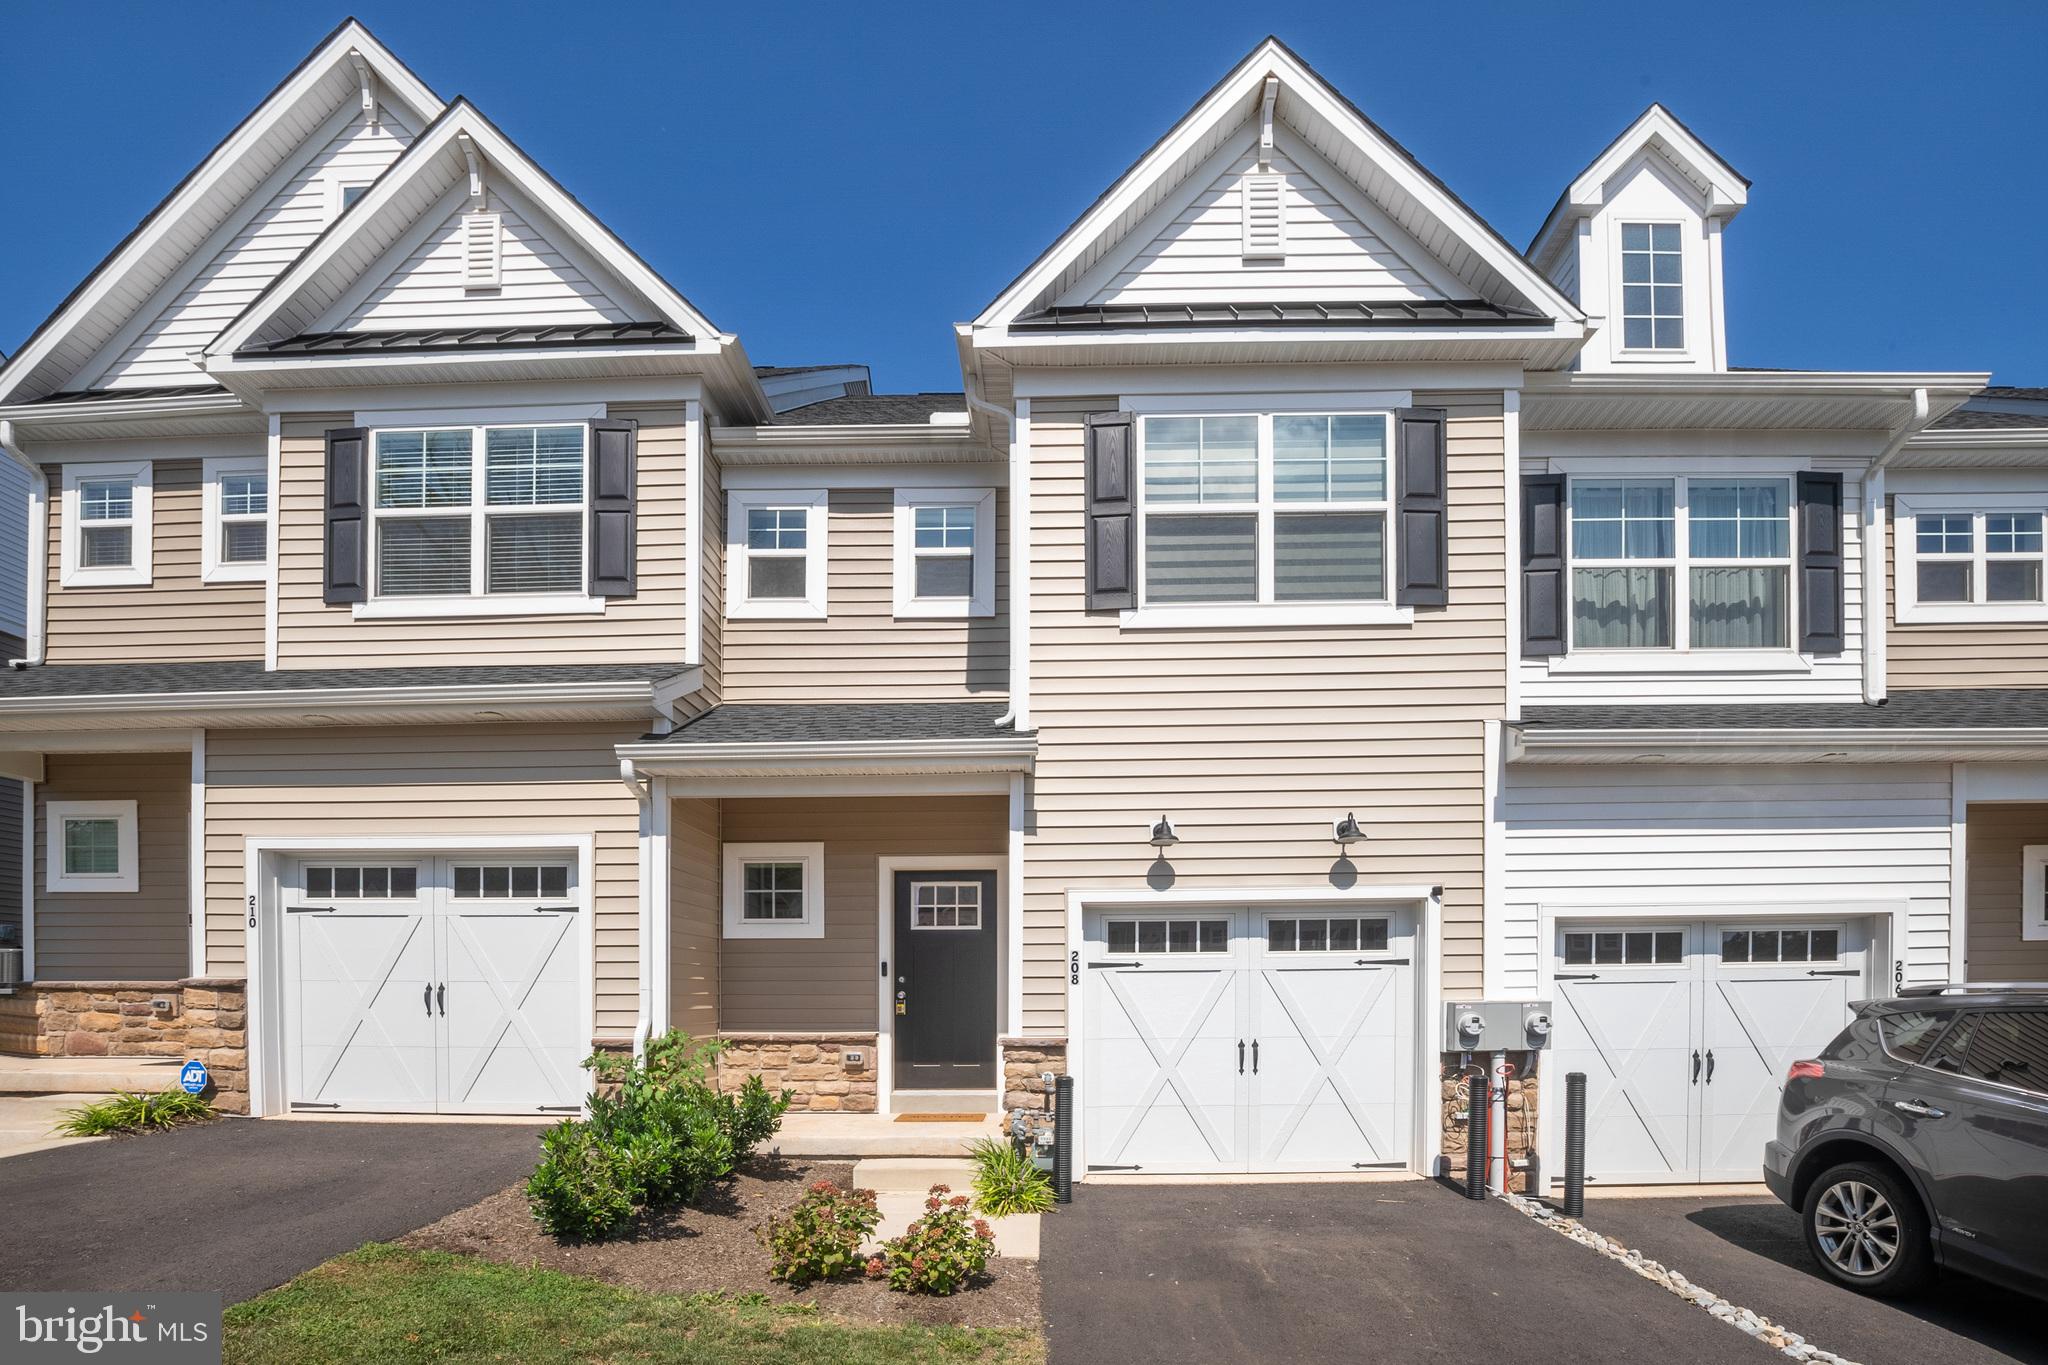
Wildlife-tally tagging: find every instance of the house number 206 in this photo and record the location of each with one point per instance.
(1898, 975)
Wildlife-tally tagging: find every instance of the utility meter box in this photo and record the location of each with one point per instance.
(1496, 1025)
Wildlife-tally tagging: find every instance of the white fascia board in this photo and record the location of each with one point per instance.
(1747, 383)
(1250, 382)
(393, 77)
(1770, 745)
(875, 443)
(433, 366)
(1508, 339)
(835, 757)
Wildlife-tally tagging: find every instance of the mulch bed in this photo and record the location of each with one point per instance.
(710, 1248)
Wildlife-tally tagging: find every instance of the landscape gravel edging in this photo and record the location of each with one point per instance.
(1780, 1338)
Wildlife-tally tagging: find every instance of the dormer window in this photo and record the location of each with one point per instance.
(1652, 287)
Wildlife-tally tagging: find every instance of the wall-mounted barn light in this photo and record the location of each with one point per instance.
(1163, 835)
(1346, 831)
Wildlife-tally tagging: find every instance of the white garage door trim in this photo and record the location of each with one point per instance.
(264, 861)
(1886, 922)
(1423, 903)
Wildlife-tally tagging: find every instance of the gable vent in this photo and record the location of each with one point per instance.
(1265, 216)
(482, 236)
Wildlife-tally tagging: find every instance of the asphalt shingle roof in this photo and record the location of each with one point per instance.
(754, 723)
(869, 409)
(96, 680)
(1972, 419)
(1962, 708)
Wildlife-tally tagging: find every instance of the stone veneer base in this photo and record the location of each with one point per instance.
(208, 1020)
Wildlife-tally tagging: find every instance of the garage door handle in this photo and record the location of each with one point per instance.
(1255, 1056)
(1695, 1067)
(1710, 1066)
(441, 998)
(1240, 1056)
(429, 999)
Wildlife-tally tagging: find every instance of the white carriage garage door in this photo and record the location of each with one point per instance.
(1247, 1040)
(433, 984)
(1684, 1032)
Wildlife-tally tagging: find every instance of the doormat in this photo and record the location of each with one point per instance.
(941, 1118)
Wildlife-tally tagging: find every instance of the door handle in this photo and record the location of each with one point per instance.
(428, 999)
(1695, 1066)
(1240, 1056)
(441, 996)
(1255, 1056)
(1919, 1109)
(1710, 1066)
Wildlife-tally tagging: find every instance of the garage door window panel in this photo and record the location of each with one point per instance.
(361, 881)
(1168, 935)
(1624, 947)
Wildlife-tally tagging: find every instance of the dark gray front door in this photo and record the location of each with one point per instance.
(945, 968)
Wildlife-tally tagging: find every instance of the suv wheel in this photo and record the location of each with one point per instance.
(1866, 1229)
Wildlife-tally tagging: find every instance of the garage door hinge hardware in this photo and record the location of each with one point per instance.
(560, 1108)
(1576, 976)
(309, 909)
(313, 1104)
(554, 909)
(1380, 962)
(1116, 964)
(1094, 1167)
(1835, 971)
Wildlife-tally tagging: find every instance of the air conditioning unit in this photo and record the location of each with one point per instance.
(10, 969)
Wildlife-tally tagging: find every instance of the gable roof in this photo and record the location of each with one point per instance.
(208, 196)
(866, 409)
(1408, 194)
(1657, 130)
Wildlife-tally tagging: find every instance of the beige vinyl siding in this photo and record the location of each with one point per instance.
(540, 285)
(1959, 654)
(861, 649)
(176, 617)
(430, 780)
(646, 628)
(828, 984)
(139, 935)
(1997, 834)
(694, 916)
(1254, 740)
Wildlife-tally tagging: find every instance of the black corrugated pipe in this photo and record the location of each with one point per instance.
(1063, 1140)
(1475, 1140)
(1575, 1144)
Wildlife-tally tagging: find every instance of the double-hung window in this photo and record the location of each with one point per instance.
(1681, 563)
(1652, 287)
(107, 519)
(1965, 557)
(237, 512)
(493, 512)
(775, 553)
(1263, 508)
(945, 552)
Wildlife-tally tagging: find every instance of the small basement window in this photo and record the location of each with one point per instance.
(89, 846)
(774, 890)
(775, 564)
(106, 520)
(236, 539)
(1624, 947)
(945, 552)
(1169, 936)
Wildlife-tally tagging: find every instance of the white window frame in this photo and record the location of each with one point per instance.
(815, 503)
(811, 856)
(2033, 891)
(213, 568)
(1906, 513)
(1621, 317)
(1681, 562)
(980, 907)
(335, 188)
(55, 879)
(1264, 610)
(477, 601)
(72, 571)
(981, 599)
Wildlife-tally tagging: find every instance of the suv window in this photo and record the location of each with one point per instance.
(1907, 1036)
(2010, 1047)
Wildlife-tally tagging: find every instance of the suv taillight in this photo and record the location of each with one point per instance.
(1811, 1071)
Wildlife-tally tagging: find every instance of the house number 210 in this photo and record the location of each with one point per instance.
(252, 912)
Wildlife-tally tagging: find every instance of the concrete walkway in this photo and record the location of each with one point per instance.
(901, 1187)
(877, 1135)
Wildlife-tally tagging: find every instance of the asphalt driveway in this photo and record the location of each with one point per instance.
(239, 1206)
(1348, 1272)
(1749, 1250)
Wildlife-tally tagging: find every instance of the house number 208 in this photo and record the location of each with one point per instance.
(1073, 969)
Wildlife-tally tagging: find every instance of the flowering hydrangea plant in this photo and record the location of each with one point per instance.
(939, 1253)
(821, 1238)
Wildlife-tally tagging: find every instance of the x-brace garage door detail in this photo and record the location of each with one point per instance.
(1247, 1041)
(433, 985)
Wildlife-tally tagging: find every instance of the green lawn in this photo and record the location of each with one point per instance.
(386, 1304)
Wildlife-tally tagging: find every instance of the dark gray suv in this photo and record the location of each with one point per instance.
(1919, 1137)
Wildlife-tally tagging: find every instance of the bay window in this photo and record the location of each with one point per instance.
(1964, 557)
(1700, 563)
(1259, 508)
(488, 511)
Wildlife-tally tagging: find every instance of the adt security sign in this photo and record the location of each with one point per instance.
(193, 1078)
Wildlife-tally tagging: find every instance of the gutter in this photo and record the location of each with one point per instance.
(1005, 754)
(34, 609)
(1784, 744)
(1019, 710)
(1875, 523)
(637, 691)
(643, 1020)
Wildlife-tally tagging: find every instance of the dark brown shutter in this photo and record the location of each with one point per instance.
(614, 511)
(1543, 568)
(1823, 590)
(1421, 508)
(348, 528)
(1111, 554)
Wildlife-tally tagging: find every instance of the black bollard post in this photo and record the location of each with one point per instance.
(1063, 1140)
(1575, 1145)
(1475, 1140)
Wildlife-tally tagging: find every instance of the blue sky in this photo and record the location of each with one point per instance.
(844, 182)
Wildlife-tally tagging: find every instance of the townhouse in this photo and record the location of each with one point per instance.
(447, 652)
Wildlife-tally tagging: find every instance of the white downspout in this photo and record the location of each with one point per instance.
(38, 551)
(1019, 712)
(642, 789)
(1875, 526)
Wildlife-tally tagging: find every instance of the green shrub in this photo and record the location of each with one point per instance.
(583, 1187)
(822, 1236)
(135, 1113)
(939, 1253)
(1005, 1180)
